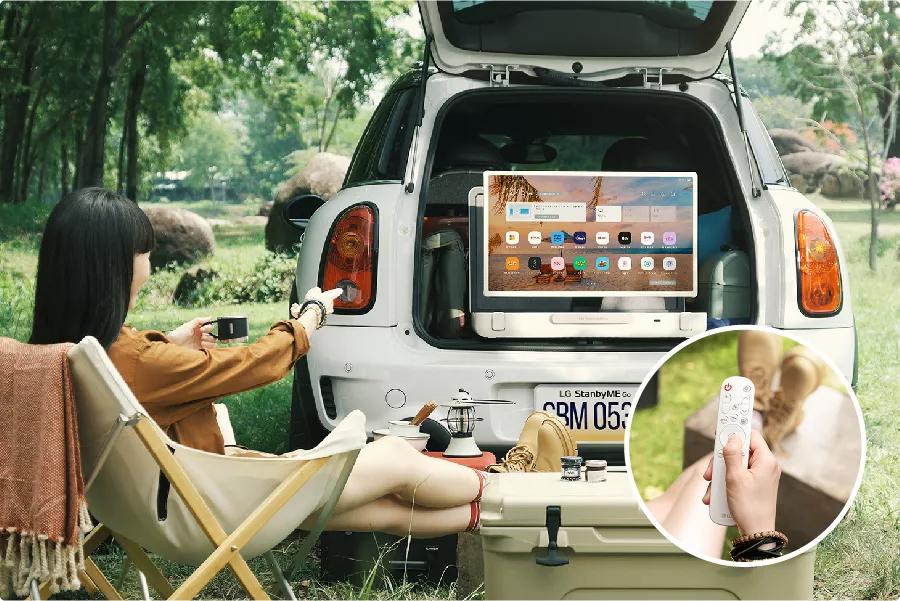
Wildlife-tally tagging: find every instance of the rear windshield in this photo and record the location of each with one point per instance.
(521, 130)
(585, 29)
(674, 12)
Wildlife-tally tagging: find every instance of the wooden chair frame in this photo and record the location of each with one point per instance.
(227, 552)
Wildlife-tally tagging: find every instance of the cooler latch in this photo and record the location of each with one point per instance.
(554, 521)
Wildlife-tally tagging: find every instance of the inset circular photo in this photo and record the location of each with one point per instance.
(745, 446)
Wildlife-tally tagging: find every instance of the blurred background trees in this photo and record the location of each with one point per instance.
(114, 93)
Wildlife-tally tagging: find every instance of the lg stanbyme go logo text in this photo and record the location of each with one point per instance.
(608, 411)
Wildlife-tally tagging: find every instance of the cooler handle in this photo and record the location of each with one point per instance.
(554, 521)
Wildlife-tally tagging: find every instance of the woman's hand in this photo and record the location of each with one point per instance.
(195, 334)
(752, 492)
(311, 317)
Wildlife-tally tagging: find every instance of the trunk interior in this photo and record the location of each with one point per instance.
(564, 129)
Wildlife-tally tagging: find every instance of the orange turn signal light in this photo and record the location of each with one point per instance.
(818, 268)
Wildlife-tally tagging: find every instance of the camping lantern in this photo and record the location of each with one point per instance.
(461, 421)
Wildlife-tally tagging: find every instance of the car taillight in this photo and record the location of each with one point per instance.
(350, 254)
(818, 269)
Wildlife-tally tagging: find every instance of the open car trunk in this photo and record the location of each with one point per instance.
(554, 129)
(594, 40)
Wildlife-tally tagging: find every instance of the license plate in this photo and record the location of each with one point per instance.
(592, 412)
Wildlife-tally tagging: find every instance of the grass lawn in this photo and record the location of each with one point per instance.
(859, 560)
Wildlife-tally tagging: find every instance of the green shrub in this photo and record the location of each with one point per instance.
(16, 305)
(270, 281)
(25, 219)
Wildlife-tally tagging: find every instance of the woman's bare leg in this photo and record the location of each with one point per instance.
(394, 516)
(688, 517)
(661, 506)
(390, 466)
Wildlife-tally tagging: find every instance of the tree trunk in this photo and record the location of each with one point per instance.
(40, 190)
(15, 117)
(334, 124)
(120, 163)
(63, 169)
(874, 206)
(135, 92)
(115, 37)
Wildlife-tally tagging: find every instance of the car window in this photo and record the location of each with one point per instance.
(384, 146)
(574, 152)
(763, 148)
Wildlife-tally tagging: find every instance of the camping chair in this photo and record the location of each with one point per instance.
(190, 506)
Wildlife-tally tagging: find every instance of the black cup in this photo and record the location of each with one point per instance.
(233, 328)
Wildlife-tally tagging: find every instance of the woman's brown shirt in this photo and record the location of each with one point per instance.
(177, 386)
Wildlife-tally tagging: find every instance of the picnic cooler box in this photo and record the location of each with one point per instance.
(612, 550)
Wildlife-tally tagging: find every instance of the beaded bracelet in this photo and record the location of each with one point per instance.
(321, 307)
(747, 548)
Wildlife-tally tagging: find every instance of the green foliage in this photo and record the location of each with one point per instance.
(759, 78)
(25, 219)
(846, 62)
(212, 150)
(16, 305)
(269, 281)
(782, 111)
(287, 67)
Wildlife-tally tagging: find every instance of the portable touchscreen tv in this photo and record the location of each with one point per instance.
(549, 242)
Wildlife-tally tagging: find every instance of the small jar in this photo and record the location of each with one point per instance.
(571, 467)
(595, 470)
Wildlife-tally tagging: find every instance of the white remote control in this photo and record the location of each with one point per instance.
(735, 415)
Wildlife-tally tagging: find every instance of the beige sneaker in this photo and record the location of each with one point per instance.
(544, 439)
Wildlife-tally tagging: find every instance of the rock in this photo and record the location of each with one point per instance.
(831, 186)
(842, 183)
(182, 236)
(322, 175)
(812, 163)
(265, 210)
(789, 141)
(799, 182)
(190, 283)
(851, 183)
(812, 166)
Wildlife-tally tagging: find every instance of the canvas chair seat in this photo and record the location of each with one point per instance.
(129, 496)
(125, 494)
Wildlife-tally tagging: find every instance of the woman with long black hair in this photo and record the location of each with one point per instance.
(94, 258)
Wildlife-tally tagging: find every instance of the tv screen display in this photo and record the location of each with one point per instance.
(590, 233)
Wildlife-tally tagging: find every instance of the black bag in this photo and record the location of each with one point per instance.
(351, 556)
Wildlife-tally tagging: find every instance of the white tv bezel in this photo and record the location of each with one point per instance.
(590, 293)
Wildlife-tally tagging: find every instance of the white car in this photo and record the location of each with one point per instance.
(604, 86)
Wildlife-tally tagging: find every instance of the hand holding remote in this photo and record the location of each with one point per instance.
(752, 491)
